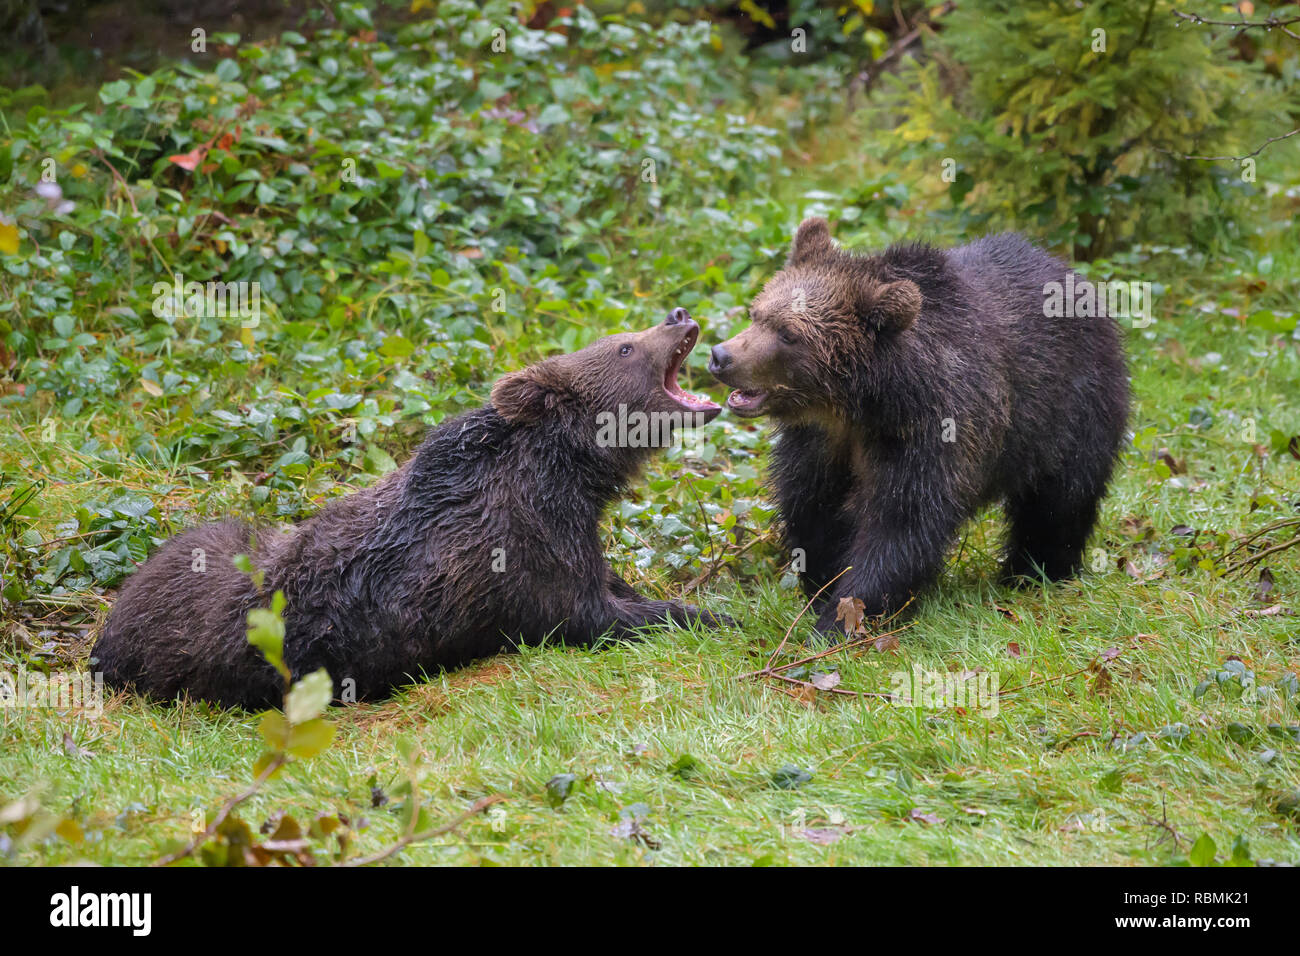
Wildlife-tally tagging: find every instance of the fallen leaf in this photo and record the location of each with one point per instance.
(629, 826)
(191, 159)
(1135, 526)
(1176, 466)
(1013, 649)
(8, 238)
(1272, 611)
(70, 830)
(73, 749)
(823, 837)
(803, 693)
(826, 681)
(931, 818)
(850, 612)
(1102, 682)
(1265, 585)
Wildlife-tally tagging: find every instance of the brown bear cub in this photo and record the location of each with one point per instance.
(912, 387)
(487, 537)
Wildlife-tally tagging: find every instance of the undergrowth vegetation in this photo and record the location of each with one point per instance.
(429, 209)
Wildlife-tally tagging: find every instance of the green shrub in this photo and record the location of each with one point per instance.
(405, 207)
(498, 207)
(1073, 118)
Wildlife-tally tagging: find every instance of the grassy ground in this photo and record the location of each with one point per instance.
(1076, 767)
(1103, 746)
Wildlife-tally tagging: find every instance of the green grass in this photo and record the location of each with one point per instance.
(1058, 776)
(1046, 781)
(1100, 750)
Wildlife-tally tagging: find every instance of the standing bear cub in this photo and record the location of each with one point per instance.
(912, 387)
(488, 536)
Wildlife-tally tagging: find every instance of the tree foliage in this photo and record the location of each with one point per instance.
(1077, 118)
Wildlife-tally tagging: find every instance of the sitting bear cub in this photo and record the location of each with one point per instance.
(488, 536)
(912, 387)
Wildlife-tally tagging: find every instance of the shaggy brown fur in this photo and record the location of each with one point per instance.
(488, 537)
(912, 387)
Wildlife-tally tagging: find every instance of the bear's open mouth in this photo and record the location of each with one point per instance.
(692, 403)
(745, 401)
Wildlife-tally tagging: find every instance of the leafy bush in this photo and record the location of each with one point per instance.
(419, 214)
(1076, 117)
(474, 172)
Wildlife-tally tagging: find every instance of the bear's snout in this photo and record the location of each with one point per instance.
(719, 359)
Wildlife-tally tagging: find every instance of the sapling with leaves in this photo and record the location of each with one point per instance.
(297, 732)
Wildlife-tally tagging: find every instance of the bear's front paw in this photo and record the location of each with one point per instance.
(828, 623)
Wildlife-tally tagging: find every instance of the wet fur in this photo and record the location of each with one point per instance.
(397, 580)
(861, 473)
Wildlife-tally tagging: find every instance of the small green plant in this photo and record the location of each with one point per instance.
(298, 732)
(1204, 852)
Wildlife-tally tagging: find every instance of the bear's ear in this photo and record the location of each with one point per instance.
(895, 305)
(525, 397)
(812, 241)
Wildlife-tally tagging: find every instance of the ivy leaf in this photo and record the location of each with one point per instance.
(790, 777)
(558, 789)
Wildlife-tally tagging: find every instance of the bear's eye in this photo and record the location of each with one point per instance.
(788, 337)
(625, 350)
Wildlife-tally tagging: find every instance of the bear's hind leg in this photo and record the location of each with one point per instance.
(1048, 530)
